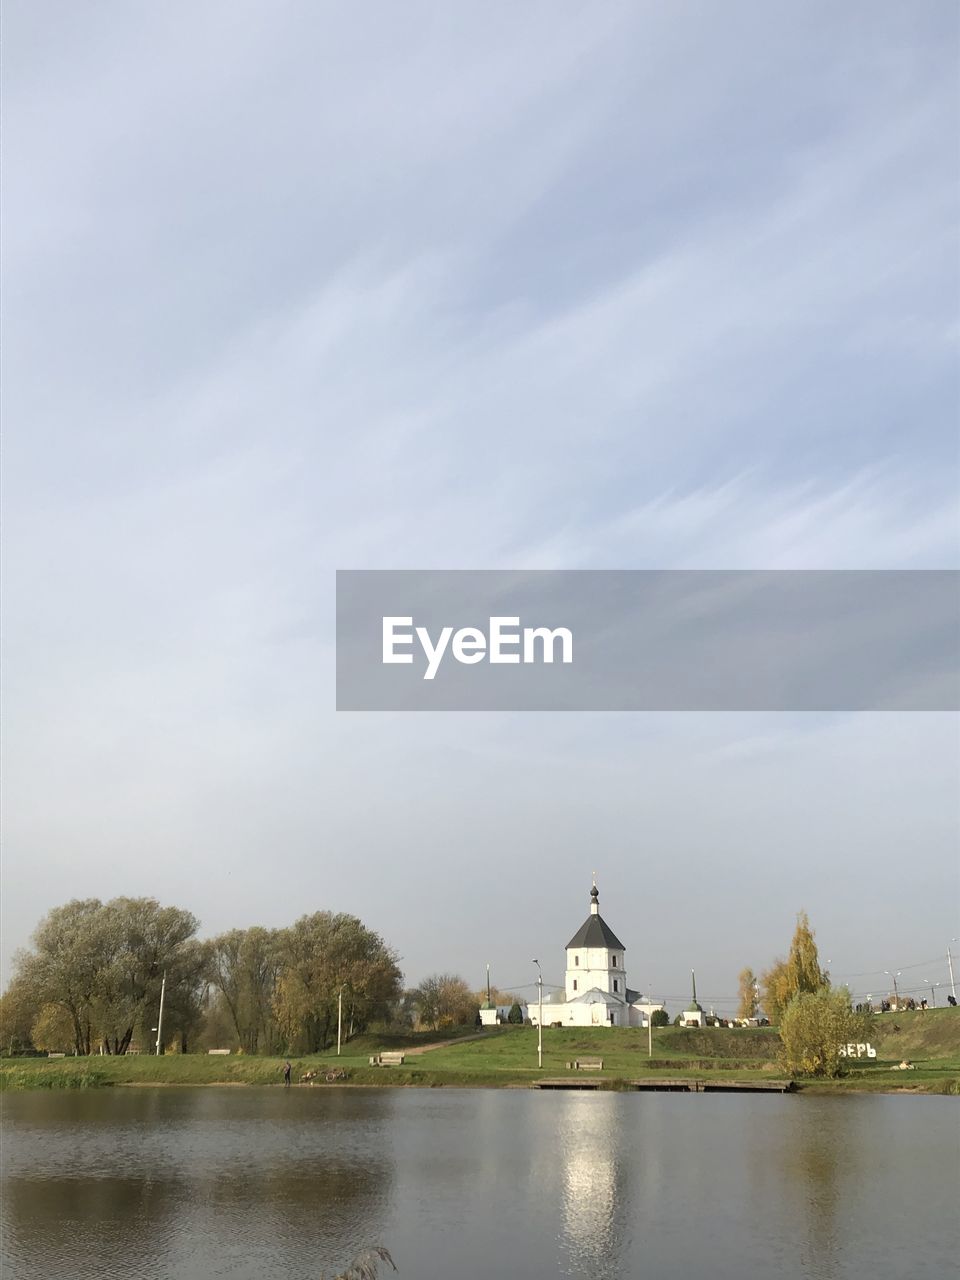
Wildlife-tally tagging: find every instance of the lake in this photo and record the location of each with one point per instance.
(286, 1184)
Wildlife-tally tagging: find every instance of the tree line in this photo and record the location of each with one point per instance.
(91, 979)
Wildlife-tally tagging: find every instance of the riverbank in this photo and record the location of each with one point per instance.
(507, 1058)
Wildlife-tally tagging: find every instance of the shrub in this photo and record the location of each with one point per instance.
(814, 1027)
(516, 1014)
(660, 1018)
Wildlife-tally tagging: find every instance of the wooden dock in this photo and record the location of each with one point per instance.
(687, 1085)
(568, 1082)
(714, 1086)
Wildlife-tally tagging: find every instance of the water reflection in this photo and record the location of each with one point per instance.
(205, 1184)
(826, 1155)
(47, 1223)
(261, 1184)
(595, 1185)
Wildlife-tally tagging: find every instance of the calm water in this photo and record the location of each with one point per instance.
(266, 1183)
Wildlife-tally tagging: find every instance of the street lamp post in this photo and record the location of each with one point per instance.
(339, 1016)
(539, 1014)
(163, 991)
(896, 989)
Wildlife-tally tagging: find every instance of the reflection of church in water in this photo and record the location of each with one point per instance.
(594, 1228)
(596, 993)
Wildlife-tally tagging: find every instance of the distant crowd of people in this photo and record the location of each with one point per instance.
(902, 1005)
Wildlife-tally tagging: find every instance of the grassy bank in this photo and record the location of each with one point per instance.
(507, 1057)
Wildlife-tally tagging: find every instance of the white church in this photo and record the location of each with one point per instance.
(595, 989)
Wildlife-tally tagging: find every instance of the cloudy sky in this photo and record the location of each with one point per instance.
(298, 287)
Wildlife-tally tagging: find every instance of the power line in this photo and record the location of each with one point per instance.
(936, 965)
(919, 964)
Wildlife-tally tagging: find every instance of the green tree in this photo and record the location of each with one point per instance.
(53, 1029)
(776, 990)
(185, 997)
(244, 965)
(143, 941)
(103, 964)
(747, 1002)
(815, 1026)
(516, 1014)
(660, 1018)
(800, 972)
(64, 965)
(320, 956)
(217, 1029)
(803, 961)
(445, 1000)
(18, 1012)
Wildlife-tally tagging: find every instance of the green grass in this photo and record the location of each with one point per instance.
(934, 1034)
(507, 1056)
(930, 1041)
(510, 1054)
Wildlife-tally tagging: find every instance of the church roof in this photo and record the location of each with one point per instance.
(595, 932)
(596, 996)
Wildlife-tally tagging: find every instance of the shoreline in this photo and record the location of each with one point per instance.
(41, 1079)
(506, 1058)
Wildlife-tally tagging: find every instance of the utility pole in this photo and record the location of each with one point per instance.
(163, 991)
(539, 1014)
(649, 1034)
(339, 1017)
(953, 985)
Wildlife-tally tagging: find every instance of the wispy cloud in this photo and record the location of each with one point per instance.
(295, 290)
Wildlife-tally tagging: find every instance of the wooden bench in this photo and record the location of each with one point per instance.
(386, 1060)
(586, 1064)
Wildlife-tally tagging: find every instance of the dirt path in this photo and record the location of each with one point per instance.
(442, 1044)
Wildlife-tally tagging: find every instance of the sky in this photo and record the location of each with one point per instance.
(293, 287)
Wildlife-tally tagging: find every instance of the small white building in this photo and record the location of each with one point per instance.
(492, 1015)
(693, 1015)
(595, 986)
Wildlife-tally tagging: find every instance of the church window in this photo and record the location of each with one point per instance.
(574, 984)
(614, 961)
(576, 960)
(616, 984)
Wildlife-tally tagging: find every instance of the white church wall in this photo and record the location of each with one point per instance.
(590, 967)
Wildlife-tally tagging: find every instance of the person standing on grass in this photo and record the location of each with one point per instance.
(286, 1074)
